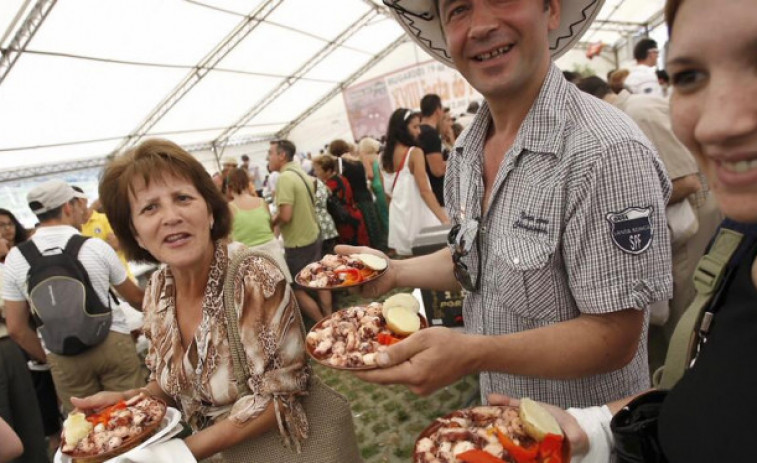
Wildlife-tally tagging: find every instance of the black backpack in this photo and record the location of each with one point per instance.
(70, 316)
(337, 207)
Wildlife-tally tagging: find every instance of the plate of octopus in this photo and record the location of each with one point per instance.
(494, 434)
(350, 338)
(112, 431)
(336, 271)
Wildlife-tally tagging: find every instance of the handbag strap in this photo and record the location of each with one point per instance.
(238, 360)
(695, 322)
(311, 194)
(402, 166)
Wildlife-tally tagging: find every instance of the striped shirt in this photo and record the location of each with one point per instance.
(99, 259)
(576, 224)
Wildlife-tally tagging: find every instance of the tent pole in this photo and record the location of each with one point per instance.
(24, 35)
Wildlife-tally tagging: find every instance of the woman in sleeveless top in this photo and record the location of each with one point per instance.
(413, 205)
(251, 223)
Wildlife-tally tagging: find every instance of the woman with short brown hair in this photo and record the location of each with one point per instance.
(164, 207)
(150, 160)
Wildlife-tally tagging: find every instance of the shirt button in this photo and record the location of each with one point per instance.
(516, 260)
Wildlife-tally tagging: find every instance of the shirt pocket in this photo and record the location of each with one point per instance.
(526, 279)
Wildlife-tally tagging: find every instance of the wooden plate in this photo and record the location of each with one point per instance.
(436, 424)
(125, 446)
(302, 283)
(323, 359)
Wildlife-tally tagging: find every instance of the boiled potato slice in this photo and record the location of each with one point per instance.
(75, 428)
(402, 321)
(405, 300)
(537, 421)
(372, 262)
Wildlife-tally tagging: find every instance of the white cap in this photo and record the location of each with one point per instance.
(49, 195)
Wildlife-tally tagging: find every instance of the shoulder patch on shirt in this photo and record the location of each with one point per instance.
(631, 229)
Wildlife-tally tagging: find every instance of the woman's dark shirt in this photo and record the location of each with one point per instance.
(711, 414)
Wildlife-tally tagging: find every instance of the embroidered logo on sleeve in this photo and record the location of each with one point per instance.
(631, 229)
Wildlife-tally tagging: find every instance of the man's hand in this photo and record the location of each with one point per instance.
(381, 285)
(425, 361)
(579, 442)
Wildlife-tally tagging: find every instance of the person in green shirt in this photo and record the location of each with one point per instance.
(251, 223)
(295, 200)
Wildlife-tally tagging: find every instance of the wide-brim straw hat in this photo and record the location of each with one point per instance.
(420, 20)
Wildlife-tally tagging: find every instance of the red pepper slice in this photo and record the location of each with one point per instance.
(550, 449)
(521, 454)
(387, 339)
(352, 275)
(366, 273)
(478, 456)
(104, 415)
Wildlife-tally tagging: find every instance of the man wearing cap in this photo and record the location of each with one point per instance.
(557, 202)
(111, 365)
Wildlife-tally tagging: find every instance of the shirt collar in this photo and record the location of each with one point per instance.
(54, 229)
(541, 130)
(291, 165)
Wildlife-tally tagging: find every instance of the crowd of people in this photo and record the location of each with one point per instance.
(578, 210)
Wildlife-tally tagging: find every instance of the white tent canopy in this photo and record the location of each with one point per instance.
(81, 79)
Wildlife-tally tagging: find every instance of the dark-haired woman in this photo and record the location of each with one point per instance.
(414, 205)
(11, 230)
(351, 167)
(352, 230)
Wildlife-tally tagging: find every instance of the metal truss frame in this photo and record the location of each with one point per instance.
(48, 169)
(24, 35)
(236, 36)
(259, 106)
(284, 132)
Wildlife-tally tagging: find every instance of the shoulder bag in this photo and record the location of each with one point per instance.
(332, 432)
(337, 207)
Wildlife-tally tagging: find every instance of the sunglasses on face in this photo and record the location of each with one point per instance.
(461, 239)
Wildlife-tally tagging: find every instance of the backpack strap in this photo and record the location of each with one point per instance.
(695, 323)
(30, 251)
(72, 249)
(74, 245)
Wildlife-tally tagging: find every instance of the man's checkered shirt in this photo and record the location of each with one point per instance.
(575, 224)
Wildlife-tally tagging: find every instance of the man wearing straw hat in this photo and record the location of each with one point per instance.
(558, 205)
